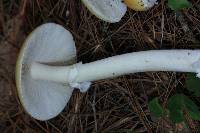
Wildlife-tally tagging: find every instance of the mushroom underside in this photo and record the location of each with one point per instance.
(50, 44)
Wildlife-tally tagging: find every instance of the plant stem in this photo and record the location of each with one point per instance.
(153, 60)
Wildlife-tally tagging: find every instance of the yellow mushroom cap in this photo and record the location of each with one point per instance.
(140, 5)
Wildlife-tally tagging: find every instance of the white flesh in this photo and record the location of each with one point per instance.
(154, 60)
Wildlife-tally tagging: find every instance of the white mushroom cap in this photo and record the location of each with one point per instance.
(108, 10)
(49, 43)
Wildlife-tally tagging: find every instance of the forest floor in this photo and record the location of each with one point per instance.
(111, 105)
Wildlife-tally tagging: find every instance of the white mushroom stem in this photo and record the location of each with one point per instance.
(154, 60)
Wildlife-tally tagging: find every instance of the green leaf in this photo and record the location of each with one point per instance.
(192, 108)
(156, 108)
(194, 115)
(176, 116)
(179, 4)
(193, 84)
(177, 104)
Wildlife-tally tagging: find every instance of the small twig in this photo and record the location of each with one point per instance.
(94, 110)
(23, 8)
(162, 29)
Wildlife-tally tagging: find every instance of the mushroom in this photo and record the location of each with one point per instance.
(108, 10)
(113, 10)
(46, 72)
(140, 5)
